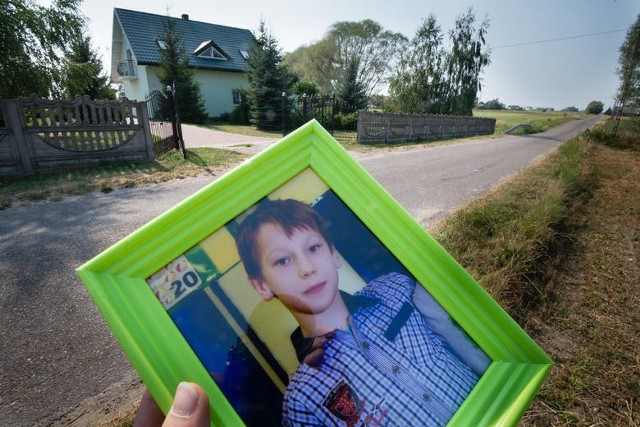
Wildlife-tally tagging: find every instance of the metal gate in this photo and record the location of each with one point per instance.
(164, 124)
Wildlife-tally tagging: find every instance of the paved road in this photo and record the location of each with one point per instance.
(430, 183)
(56, 352)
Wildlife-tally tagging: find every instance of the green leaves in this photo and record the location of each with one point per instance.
(438, 79)
(33, 38)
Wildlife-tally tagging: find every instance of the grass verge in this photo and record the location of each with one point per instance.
(16, 191)
(538, 120)
(558, 247)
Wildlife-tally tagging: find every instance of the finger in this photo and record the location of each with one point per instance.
(149, 414)
(190, 407)
(315, 358)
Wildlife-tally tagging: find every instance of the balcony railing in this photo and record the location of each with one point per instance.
(127, 69)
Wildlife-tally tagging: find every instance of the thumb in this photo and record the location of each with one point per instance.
(190, 407)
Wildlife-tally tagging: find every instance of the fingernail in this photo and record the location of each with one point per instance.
(185, 402)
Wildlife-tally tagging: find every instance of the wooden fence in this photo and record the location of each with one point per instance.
(42, 135)
(384, 127)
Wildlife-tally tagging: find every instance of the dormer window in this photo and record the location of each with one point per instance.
(207, 49)
(161, 44)
(244, 53)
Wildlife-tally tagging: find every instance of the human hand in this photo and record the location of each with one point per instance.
(190, 408)
(315, 356)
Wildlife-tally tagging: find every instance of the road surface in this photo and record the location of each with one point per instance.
(59, 364)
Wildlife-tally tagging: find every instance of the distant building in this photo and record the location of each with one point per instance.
(626, 111)
(515, 107)
(217, 54)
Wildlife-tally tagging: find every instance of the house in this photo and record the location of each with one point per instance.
(217, 55)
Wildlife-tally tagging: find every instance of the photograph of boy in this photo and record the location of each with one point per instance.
(377, 356)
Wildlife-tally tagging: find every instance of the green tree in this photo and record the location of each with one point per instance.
(82, 72)
(629, 67)
(351, 91)
(467, 59)
(269, 79)
(419, 84)
(374, 49)
(439, 79)
(493, 104)
(305, 87)
(313, 63)
(174, 64)
(594, 107)
(33, 39)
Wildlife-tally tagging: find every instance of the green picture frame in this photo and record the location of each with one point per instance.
(118, 279)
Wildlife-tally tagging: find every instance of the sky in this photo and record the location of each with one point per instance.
(544, 53)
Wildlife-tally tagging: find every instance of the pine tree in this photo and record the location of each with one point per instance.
(82, 72)
(174, 70)
(350, 90)
(269, 80)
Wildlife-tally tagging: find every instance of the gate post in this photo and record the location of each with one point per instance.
(143, 118)
(17, 126)
(175, 120)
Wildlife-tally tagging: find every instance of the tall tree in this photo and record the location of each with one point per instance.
(82, 72)
(594, 107)
(374, 49)
(434, 78)
(33, 39)
(313, 63)
(351, 91)
(465, 62)
(269, 79)
(174, 64)
(419, 83)
(629, 67)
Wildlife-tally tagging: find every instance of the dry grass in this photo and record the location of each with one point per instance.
(559, 248)
(592, 330)
(18, 191)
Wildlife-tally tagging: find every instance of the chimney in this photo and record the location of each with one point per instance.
(185, 16)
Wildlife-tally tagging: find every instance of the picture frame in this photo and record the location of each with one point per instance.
(147, 321)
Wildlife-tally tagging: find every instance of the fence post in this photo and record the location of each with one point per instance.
(175, 120)
(284, 126)
(17, 127)
(387, 124)
(332, 118)
(411, 133)
(143, 119)
(172, 114)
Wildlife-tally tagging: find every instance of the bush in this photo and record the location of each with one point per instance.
(240, 114)
(346, 121)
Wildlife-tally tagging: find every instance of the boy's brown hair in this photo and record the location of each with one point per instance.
(289, 214)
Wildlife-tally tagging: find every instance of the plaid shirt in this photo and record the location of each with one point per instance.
(388, 369)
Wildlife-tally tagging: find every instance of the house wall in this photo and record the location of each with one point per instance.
(138, 89)
(217, 89)
(216, 86)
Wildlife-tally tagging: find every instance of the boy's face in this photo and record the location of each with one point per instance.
(301, 269)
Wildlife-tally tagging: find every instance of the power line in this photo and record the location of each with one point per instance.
(558, 39)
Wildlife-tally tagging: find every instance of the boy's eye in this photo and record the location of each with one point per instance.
(281, 261)
(315, 248)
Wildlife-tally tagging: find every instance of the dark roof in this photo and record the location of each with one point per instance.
(144, 29)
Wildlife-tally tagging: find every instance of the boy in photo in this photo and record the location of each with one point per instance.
(382, 362)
